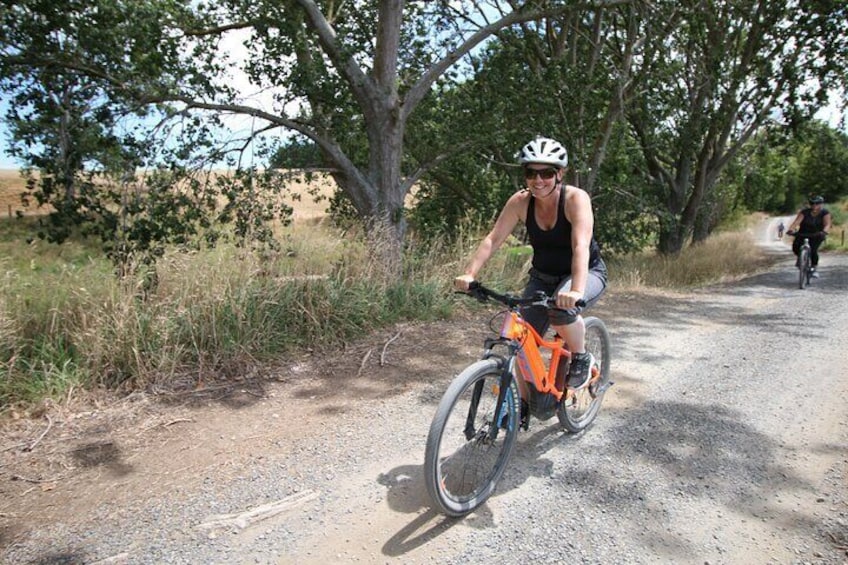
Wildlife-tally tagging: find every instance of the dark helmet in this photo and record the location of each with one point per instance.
(816, 200)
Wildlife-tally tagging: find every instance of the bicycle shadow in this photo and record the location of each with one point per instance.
(406, 492)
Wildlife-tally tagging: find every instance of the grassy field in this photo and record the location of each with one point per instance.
(11, 188)
(306, 208)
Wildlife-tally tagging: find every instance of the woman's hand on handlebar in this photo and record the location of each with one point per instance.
(463, 282)
(568, 299)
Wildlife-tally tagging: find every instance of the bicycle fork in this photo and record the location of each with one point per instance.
(501, 409)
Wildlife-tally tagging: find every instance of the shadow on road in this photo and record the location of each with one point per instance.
(694, 453)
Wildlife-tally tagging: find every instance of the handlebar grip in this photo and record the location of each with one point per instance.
(552, 303)
(475, 290)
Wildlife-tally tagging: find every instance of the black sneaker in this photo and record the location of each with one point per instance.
(580, 370)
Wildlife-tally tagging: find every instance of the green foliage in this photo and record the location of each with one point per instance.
(780, 170)
(823, 161)
(623, 202)
(298, 154)
(527, 84)
(76, 74)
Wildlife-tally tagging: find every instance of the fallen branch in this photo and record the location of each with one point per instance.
(11, 447)
(44, 433)
(364, 360)
(177, 421)
(36, 481)
(244, 519)
(383, 354)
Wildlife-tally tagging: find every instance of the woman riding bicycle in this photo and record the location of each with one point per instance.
(567, 261)
(811, 223)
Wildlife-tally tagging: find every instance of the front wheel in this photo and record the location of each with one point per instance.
(804, 268)
(577, 412)
(463, 461)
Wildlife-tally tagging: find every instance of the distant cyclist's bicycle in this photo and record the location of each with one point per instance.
(476, 423)
(805, 267)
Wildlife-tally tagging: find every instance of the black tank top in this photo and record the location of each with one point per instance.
(552, 248)
(810, 223)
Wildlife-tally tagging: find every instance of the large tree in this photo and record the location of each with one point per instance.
(345, 75)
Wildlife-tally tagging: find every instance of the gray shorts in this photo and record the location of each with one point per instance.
(540, 318)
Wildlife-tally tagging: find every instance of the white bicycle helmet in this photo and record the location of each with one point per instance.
(544, 150)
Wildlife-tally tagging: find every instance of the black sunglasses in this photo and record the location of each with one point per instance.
(544, 174)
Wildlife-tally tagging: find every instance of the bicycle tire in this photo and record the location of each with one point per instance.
(460, 473)
(804, 268)
(579, 412)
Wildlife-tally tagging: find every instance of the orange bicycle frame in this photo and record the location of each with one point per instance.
(529, 359)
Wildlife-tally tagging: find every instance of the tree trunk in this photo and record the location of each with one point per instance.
(671, 238)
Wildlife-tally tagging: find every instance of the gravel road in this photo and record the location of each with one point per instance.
(723, 440)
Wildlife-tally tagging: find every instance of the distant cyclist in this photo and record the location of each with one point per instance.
(812, 223)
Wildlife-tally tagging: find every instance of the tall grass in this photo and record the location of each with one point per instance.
(837, 241)
(213, 314)
(723, 256)
(66, 321)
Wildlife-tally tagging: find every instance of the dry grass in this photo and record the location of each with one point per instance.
(11, 188)
(724, 256)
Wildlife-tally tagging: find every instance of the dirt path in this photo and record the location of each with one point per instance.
(717, 444)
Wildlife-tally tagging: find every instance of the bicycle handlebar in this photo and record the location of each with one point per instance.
(482, 294)
(806, 234)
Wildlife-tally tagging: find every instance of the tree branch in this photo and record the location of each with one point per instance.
(420, 89)
(361, 85)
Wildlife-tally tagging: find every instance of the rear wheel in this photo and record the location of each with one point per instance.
(462, 462)
(579, 411)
